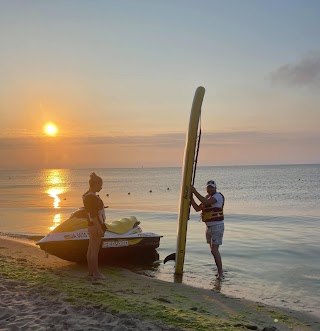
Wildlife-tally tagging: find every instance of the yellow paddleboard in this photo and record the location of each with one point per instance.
(187, 171)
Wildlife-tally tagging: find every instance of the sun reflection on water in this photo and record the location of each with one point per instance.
(56, 221)
(56, 183)
(54, 193)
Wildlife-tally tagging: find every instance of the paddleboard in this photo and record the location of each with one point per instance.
(187, 173)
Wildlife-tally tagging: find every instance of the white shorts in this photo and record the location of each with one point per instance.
(214, 234)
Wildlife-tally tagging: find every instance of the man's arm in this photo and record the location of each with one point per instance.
(195, 205)
(204, 200)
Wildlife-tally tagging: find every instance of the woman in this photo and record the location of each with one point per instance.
(94, 208)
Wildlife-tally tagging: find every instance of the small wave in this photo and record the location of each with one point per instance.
(31, 237)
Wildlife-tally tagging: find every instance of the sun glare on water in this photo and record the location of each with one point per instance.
(50, 129)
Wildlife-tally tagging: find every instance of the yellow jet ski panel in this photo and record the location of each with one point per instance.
(122, 225)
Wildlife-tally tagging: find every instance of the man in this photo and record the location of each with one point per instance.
(212, 214)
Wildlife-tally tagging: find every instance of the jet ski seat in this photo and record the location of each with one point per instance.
(77, 220)
(122, 225)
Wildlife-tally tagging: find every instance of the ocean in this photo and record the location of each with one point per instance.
(271, 244)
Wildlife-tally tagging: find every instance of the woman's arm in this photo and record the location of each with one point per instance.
(91, 204)
(97, 225)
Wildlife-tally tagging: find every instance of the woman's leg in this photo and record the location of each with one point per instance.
(95, 257)
(89, 256)
(90, 252)
(95, 253)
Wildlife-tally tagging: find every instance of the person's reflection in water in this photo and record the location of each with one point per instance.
(217, 285)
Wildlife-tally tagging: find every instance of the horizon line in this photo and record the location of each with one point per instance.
(157, 167)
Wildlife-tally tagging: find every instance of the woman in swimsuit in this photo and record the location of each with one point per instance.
(94, 208)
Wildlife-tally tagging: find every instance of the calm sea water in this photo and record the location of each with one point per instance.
(271, 245)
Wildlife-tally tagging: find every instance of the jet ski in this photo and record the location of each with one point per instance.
(123, 240)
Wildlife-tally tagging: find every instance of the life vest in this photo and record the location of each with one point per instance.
(213, 213)
(97, 210)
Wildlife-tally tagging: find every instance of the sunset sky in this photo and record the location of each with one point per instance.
(118, 79)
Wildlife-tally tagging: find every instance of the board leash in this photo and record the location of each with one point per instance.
(197, 153)
(195, 163)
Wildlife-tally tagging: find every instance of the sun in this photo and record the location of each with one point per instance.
(50, 129)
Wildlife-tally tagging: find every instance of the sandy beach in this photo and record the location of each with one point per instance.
(39, 293)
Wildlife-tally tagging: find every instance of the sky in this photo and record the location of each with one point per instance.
(118, 79)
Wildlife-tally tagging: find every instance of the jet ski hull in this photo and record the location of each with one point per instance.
(123, 241)
(75, 251)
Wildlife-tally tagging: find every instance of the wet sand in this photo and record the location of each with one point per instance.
(39, 293)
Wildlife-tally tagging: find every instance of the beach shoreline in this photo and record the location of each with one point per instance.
(48, 293)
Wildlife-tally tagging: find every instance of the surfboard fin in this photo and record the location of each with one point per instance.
(171, 257)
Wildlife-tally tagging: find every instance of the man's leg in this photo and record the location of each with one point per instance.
(217, 258)
(216, 241)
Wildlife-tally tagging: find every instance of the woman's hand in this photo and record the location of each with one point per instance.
(99, 231)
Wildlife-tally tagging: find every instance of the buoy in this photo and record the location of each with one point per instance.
(150, 191)
(168, 189)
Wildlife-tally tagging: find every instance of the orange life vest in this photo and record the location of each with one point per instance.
(212, 213)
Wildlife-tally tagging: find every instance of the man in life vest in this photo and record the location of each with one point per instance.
(211, 207)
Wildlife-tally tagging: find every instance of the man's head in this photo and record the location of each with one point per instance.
(211, 187)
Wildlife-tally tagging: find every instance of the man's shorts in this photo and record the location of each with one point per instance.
(214, 234)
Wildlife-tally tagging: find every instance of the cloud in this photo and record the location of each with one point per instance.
(237, 138)
(165, 140)
(156, 140)
(305, 72)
